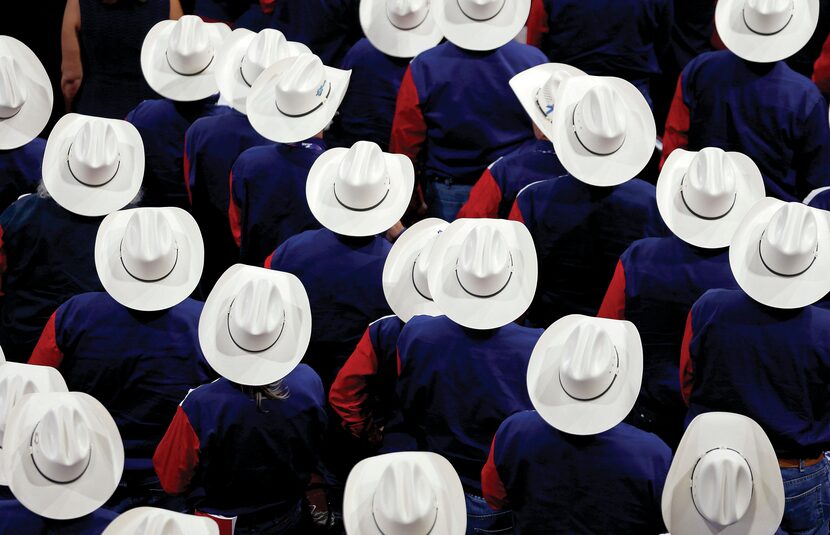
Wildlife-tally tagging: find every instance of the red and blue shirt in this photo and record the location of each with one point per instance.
(367, 110)
(342, 276)
(46, 257)
(456, 112)
(768, 364)
(604, 37)
(233, 458)
(162, 124)
(15, 519)
(496, 189)
(363, 393)
(268, 202)
(20, 171)
(579, 232)
(557, 483)
(767, 111)
(139, 365)
(457, 385)
(656, 282)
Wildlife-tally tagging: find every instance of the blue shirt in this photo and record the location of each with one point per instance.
(456, 386)
(342, 276)
(20, 171)
(328, 27)
(17, 520)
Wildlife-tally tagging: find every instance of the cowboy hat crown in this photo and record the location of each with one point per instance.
(790, 241)
(256, 315)
(767, 17)
(546, 98)
(420, 270)
(362, 180)
(484, 266)
(189, 50)
(481, 10)
(61, 445)
(722, 486)
(149, 251)
(12, 91)
(406, 14)
(590, 364)
(710, 185)
(266, 48)
(93, 155)
(301, 88)
(405, 501)
(600, 120)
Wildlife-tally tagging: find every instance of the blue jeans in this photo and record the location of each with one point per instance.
(481, 520)
(445, 200)
(807, 504)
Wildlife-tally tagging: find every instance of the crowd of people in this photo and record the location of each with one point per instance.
(412, 267)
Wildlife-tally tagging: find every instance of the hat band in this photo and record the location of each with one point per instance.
(47, 478)
(494, 15)
(699, 216)
(414, 284)
(765, 34)
(243, 348)
(406, 28)
(312, 110)
(107, 181)
(3, 118)
(614, 380)
(344, 205)
(697, 462)
(172, 68)
(576, 135)
(802, 272)
(140, 279)
(375, 520)
(487, 296)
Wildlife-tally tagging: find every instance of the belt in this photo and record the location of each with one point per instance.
(799, 463)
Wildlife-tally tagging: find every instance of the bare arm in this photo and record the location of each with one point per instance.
(176, 10)
(72, 71)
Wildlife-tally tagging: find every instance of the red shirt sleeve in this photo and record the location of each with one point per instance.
(349, 392)
(484, 198)
(537, 23)
(187, 170)
(234, 215)
(177, 455)
(686, 366)
(516, 213)
(492, 487)
(676, 135)
(47, 352)
(409, 129)
(613, 305)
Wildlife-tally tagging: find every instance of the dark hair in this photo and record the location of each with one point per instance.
(276, 390)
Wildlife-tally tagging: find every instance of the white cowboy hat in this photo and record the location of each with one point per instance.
(360, 191)
(480, 24)
(780, 254)
(585, 373)
(149, 258)
(703, 196)
(724, 479)
(808, 200)
(256, 325)
(65, 454)
(244, 56)
(603, 129)
(178, 57)
(296, 98)
(25, 94)
(483, 272)
(536, 90)
(405, 282)
(153, 521)
(93, 166)
(399, 28)
(405, 493)
(16, 381)
(764, 31)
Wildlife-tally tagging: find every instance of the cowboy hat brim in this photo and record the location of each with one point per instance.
(364, 478)
(577, 417)
(30, 120)
(471, 34)
(483, 312)
(758, 48)
(272, 124)
(526, 85)
(45, 379)
(342, 220)
(629, 159)
(695, 230)
(246, 367)
(398, 283)
(170, 84)
(143, 295)
(232, 87)
(88, 492)
(130, 521)
(78, 197)
(765, 286)
(724, 430)
(392, 40)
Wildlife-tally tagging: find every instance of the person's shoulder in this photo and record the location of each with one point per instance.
(523, 51)
(725, 299)
(150, 109)
(256, 159)
(426, 327)
(639, 443)
(303, 377)
(214, 125)
(188, 308)
(523, 424)
(360, 52)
